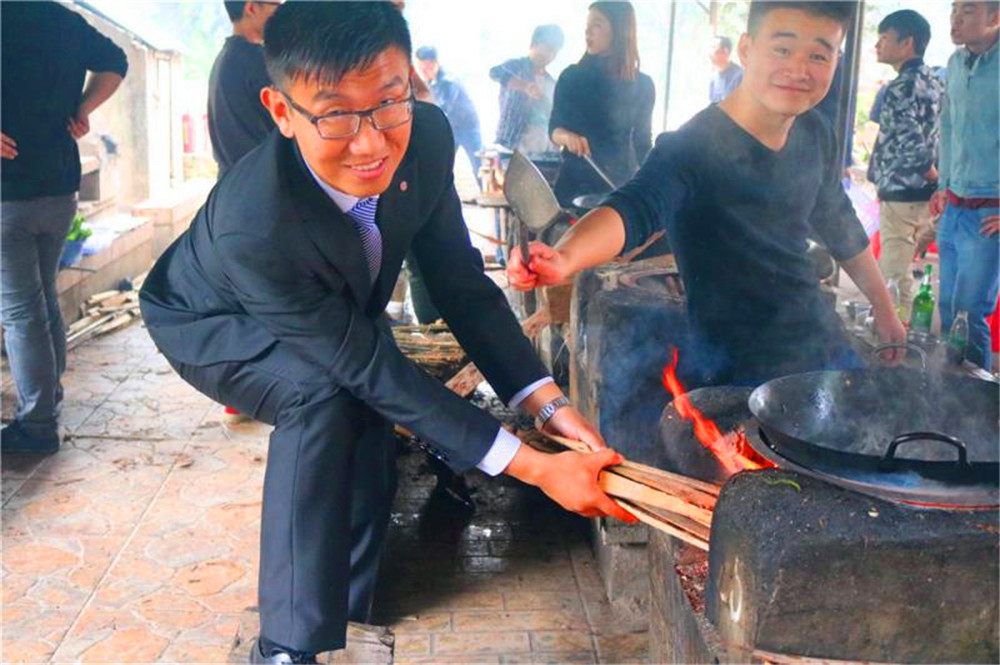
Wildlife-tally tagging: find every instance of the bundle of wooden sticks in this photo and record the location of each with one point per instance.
(105, 312)
(431, 346)
(670, 502)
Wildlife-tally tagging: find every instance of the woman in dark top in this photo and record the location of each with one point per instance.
(603, 106)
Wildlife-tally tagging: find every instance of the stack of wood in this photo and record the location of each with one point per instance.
(105, 312)
(431, 346)
(670, 502)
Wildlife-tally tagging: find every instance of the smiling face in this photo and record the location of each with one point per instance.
(790, 62)
(361, 165)
(599, 34)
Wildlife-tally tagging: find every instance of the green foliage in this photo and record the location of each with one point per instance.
(201, 26)
(77, 230)
(733, 23)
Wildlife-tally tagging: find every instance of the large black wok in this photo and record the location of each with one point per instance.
(908, 429)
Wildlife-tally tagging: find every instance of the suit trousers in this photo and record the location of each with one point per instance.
(328, 491)
(899, 224)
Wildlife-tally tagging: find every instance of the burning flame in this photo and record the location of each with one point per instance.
(733, 450)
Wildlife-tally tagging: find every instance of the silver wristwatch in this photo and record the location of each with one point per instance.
(549, 409)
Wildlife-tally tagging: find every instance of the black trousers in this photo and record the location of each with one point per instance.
(328, 490)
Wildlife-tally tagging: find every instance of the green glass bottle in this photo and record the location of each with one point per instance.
(922, 312)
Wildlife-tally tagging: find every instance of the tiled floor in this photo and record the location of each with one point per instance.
(137, 542)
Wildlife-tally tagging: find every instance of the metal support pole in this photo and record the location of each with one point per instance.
(670, 63)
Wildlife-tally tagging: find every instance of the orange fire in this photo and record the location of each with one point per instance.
(733, 450)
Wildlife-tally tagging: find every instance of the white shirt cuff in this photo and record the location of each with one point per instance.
(500, 453)
(516, 400)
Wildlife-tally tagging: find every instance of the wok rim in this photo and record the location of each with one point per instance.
(855, 468)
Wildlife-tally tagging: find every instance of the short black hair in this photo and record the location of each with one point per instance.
(548, 35)
(908, 23)
(235, 9)
(323, 41)
(427, 53)
(841, 11)
(725, 42)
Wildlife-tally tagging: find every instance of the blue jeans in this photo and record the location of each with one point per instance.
(969, 274)
(33, 233)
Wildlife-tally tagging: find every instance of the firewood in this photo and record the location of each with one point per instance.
(668, 476)
(87, 331)
(679, 521)
(114, 324)
(681, 490)
(623, 488)
(463, 383)
(98, 298)
(659, 523)
(659, 474)
(628, 256)
(79, 324)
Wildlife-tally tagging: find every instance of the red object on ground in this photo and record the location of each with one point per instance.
(994, 321)
(876, 243)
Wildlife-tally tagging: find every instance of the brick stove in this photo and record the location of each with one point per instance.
(800, 570)
(621, 316)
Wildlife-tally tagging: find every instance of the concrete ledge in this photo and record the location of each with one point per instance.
(134, 250)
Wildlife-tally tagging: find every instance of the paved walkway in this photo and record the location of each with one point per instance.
(137, 542)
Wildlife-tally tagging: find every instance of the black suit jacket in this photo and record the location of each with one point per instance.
(270, 258)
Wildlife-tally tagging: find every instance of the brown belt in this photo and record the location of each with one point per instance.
(970, 204)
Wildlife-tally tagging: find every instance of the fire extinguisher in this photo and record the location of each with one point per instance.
(187, 131)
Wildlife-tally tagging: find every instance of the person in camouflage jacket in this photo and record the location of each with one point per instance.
(902, 165)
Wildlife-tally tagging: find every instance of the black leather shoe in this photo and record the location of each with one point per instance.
(278, 655)
(14, 439)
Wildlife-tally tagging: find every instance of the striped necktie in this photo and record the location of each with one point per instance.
(363, 214)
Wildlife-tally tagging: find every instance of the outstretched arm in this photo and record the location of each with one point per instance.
(597, 238)
(864, 271)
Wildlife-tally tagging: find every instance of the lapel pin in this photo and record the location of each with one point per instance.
(403, 186)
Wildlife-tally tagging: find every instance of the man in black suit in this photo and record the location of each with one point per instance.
(272, 303)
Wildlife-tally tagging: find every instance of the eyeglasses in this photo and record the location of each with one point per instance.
(344, 124)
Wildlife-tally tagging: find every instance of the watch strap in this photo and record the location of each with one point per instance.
(549, 408)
